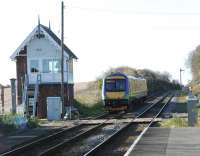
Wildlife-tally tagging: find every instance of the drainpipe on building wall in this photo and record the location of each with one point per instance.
(13, 95)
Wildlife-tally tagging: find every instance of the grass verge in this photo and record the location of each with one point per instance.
(175, 122)
(89, 110)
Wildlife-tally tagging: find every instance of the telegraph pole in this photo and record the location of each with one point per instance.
(181, 70)
(62, 59)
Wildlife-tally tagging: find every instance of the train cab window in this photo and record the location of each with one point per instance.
(120, 85)
(110, 85)
(115, 85)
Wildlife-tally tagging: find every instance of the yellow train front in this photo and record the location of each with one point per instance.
(120, 91)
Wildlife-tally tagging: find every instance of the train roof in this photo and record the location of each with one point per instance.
(137, 78)
(125, 75)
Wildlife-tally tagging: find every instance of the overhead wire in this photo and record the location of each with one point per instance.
(134, 11)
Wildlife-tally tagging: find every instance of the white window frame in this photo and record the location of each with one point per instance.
(37, 68)
(51, 69)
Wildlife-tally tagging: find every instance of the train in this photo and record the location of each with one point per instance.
(121, 91)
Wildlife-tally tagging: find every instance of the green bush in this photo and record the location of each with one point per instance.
(33, 122)
(14, 121)
(7, 122)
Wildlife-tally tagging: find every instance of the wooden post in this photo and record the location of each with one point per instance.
(68, 98)
(2, 99)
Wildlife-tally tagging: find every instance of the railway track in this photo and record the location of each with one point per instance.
(93, 134)
(37, 146)
(85, 143)
(121, 143)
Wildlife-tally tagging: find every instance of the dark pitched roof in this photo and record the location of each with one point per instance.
(51, 33)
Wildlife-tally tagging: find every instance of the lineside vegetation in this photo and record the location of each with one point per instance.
(193, 63)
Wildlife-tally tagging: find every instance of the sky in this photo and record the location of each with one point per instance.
(152, 34)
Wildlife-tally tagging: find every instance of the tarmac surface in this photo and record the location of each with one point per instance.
(169, 142)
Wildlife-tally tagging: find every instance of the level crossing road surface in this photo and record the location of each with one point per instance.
(168, 142)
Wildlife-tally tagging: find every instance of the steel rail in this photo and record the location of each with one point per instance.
(109, 139)
(68, 142)
(38, 140)
(74, 139)
(145, 130)
(45, 139)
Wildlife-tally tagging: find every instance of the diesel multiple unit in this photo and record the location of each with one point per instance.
(120, 91)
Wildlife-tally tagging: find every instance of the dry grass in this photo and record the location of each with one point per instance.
(88, 99)
(196, 88)
(87, 93)
(181, 99)
(175, 122)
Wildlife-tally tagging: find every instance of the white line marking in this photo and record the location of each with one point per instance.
(135, 142)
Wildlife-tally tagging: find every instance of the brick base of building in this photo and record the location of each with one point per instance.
(53, 90)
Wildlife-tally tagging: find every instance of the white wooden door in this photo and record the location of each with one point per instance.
(53, 108)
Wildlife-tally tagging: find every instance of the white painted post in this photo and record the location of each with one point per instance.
(13, 95)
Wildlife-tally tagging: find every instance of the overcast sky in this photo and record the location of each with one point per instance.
(153, 34)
